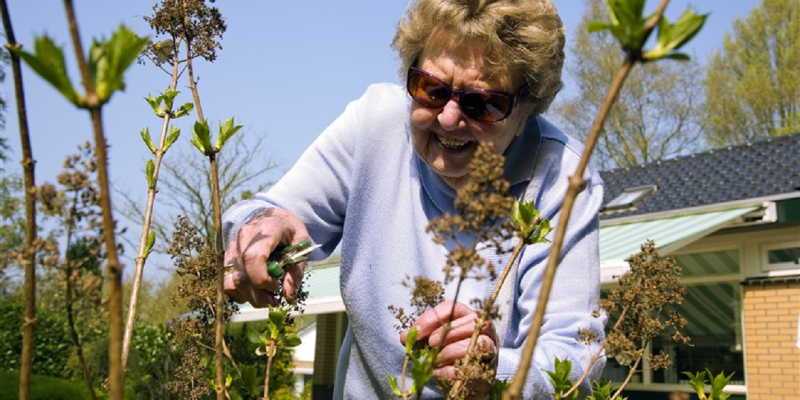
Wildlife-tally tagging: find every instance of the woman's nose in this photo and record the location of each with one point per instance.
(450, 118)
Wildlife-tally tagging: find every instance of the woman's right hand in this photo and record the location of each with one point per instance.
(248, 252)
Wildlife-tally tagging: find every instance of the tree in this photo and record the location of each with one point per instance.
(657, 114)
(753, 81)
(3, 145)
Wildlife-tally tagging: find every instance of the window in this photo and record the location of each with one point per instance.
(712, 307)
(630, 198)
(780, 256)
(714, 315)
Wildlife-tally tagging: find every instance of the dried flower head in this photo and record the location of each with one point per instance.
(642, 307)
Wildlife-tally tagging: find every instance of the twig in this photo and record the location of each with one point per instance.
(576, 184)
(484, 315)
(141, 256)
(627, 378)
(114, 268)
(28, 259)
(68, 299)
(270, 356)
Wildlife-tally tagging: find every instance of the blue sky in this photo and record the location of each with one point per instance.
(287, 69)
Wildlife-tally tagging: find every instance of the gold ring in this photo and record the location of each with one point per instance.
(228, 268)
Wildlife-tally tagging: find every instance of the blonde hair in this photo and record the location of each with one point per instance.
(524, 36)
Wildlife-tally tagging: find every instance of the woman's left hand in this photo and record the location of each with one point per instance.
(431, 331)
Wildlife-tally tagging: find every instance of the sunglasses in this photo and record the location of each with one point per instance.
(478, 104)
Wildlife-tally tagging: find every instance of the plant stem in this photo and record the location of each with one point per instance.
(595, 357)
(68, 272)
(215, 195)
(114, 268)
(576, 184)
(484, 315)
(627, 378)
(141, 256)
(270, 356)
(220, 309)
(28, 259)
(406, 359)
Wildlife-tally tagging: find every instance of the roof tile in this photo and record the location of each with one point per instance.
(748, 171)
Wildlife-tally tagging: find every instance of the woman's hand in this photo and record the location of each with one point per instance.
(248, 252)
(431, 332)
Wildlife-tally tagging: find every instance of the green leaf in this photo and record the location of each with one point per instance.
(526, 212)
(543, 231)
(276, 317)
(393, 384)
(685, 28)
(673, 37)
(146, 137)
(718, 384)
(184, 110)
(254, 336)
(422, 367)
(291, 341)
(169, 98)
(155, 104)
(597, 26)
(151, 241)
(497, 389)
(200, 137)
(47, 61)
(150, 170)
(697, 383)
(560, 378)
(627, 23)
(411, 339)
(173, 135)
(601, 391)
(110, 59)
(678, 56)
(226, 130)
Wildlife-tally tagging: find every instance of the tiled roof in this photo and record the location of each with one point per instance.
(749, 171)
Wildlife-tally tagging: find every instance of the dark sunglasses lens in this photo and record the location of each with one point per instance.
(486, 106)
(426, 90)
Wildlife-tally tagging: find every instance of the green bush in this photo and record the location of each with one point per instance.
(52, 347)
(42, 388)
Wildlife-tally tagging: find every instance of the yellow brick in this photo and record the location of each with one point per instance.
(758, 364)
(765, 293)
(783, 377)
(755, 325)
(752, 299)
(764, 306)
(758, 390)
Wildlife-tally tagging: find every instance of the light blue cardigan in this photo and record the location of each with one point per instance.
(361, 184)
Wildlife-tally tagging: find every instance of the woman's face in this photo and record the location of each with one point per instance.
(444, 137)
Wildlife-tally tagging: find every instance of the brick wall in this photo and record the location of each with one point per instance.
(772, 359)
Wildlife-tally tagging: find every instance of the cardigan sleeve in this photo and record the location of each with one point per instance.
(316, 188)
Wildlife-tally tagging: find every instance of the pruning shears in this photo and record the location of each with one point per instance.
(286, 256)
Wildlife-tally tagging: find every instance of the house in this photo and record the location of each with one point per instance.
(731, 218)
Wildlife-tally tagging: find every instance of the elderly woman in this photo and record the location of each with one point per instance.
(475, 71)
